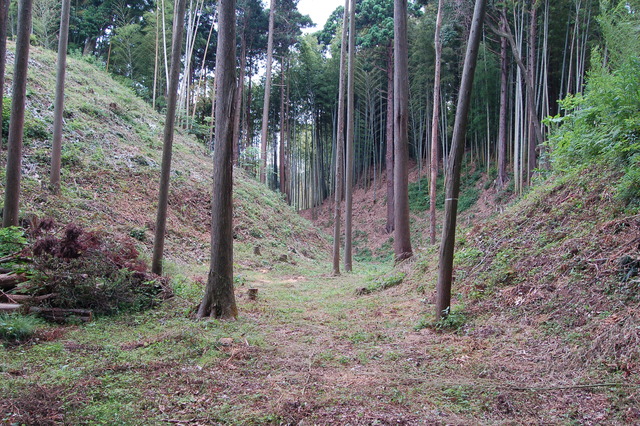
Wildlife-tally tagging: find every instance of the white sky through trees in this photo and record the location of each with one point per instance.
(319, 11)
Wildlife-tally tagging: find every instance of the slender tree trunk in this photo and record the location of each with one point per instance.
(339, 181)
(402, 236)
(164, 48)
(531, 103)
(281, 171)
(533, 115)
(348, 256)
(287, 155)
(445, 273)
(434, 127)
(247, 119)
(56, 151)
(502, 125)
(219, 299)
(267, 95)
(240, 92)
(155, 60)
(169, 125)
(389, 136)
(4, 15)
(202, 73)
(16, 125)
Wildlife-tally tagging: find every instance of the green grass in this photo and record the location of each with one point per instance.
(419, 199)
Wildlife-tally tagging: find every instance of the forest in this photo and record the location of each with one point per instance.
(416, 212)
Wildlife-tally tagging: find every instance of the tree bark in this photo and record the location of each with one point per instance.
(402, 237)
(434, 127)
(239, 92)
(56, 150)
(502, 125)
(267, 94)
(4, 15)
(16, 124)
(348, 255)
(389, 135)
(445, 273)
(531, 104)
(281, 148)
(339, 181)
(169, 126)
(219, 298)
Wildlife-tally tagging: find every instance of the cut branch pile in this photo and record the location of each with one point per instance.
(72, 276)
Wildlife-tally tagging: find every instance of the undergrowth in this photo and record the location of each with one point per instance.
(419, 199)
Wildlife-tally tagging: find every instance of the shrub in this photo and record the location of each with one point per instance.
(14, 327)
(90, 271)
(12, 240)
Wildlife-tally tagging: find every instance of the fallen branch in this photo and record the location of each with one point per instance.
(23, 298)
(10, 307)
(62, 315)
(9, 281)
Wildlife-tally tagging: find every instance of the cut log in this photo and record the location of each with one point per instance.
(9, 307)
(253, 293)
(23, 298)
(62, 315)
(9, 281)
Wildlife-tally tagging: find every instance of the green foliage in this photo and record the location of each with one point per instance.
(603, 124)
(453, 319)
(12, 239)
(14, 327)
(419, 192)
(628, 190)
(383, 282)
(33, 128)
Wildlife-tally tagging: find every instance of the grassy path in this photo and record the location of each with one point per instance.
(308, 351)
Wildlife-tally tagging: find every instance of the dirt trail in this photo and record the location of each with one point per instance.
(336, 358)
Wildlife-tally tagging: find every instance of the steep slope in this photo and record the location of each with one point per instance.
(112, 148)
(547, 294)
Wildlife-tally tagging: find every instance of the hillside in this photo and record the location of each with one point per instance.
(112, 148)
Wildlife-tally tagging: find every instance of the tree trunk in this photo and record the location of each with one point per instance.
(402, 237)
(219, 298)
(531, 104)
(502, 125)
(239, 93)
(169, 125)
(155, 59)
(445, 273)
(56, 151)
(348, 256)
(339, 181)
(16, 124)
(4, 15)
(281, 172)
(434, 127)
(267, 94)
(389, 153)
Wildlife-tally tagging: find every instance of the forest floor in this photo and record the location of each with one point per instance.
(309, 350)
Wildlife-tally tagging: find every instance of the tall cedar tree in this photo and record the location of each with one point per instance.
(267, 94)
(402, 237)
(56, 149)
(434, 127)
(169, 125)
(16, 125)
(4, 15)
(340, 146)
(348, 214)
(219, 299)
(452, 185)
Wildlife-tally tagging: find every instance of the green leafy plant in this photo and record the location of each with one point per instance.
(14, 327)
(12, 239)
